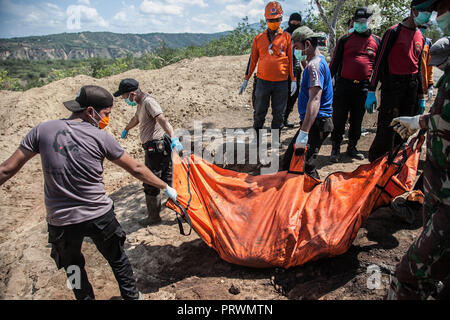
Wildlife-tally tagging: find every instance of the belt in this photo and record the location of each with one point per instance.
(157, 144)
(354, 82)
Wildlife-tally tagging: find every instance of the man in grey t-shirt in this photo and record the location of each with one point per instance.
(72, 153)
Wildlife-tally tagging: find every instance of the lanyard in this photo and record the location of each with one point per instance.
(270, 42)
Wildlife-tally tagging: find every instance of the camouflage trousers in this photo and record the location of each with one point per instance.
(428, 259)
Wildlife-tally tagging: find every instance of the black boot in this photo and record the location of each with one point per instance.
(353, 152)
(287, 124)
(335, 152)
(153, 208)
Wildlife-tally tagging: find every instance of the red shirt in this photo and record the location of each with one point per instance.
(404, 57)
(359, 56)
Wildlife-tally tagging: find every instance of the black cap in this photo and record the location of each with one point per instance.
(90, 96)
(127, 85)
(295, 16)
(440, 52)
(362, 14)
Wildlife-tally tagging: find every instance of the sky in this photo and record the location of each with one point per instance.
(19, 18)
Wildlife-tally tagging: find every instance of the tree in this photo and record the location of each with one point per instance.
(330, 23)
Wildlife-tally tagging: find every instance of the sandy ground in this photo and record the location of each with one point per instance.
(166, 264)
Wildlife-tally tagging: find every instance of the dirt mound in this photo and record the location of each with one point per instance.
(167, 265)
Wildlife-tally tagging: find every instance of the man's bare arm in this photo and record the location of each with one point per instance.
(139, 171)
(165, 124)
(312, 109)
(13, 165)
(133, 123)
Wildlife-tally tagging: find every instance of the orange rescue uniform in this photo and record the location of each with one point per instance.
(427, 70)
(277, 66)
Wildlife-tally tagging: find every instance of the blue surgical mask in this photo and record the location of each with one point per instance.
(351, 30)
(131, 103)
(422, 18)
(361, 27)
(299, 55)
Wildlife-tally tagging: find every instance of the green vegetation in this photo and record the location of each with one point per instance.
(25, 74)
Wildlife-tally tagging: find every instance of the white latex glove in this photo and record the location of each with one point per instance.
(406, 126)
(430, 92)
(293, 87)
(243, 87)
(171, 193)
(302, 140)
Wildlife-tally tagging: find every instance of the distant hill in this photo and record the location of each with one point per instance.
(85, 45)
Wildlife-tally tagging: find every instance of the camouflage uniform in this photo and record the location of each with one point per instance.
(428, 259)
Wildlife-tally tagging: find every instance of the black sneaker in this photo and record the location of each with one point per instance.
(352, 152)
(287, 124)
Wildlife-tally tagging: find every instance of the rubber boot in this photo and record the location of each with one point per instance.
(335, 153)
(353, 152)
(153, 208)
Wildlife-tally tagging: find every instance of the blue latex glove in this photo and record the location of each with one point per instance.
(302, 140)
(124, 134)
(422, 106)
(176, 144)
(171, 193)
(371, 102)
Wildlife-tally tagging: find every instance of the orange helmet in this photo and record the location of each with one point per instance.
(273, 10)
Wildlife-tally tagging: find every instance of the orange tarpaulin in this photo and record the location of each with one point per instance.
(286, 219)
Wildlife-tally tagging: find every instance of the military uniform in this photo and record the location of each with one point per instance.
(428, 259)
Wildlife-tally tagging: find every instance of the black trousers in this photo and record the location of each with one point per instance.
(348, 98)
(109, 238)
(399, 97)
(266, 92)
(159, 161)
(320, 130)
(291, 99)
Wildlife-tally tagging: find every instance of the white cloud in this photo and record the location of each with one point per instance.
(191, 3)
(88, 15)
(134, 16)
(223, 27)
(253, 9)
(156, 7)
